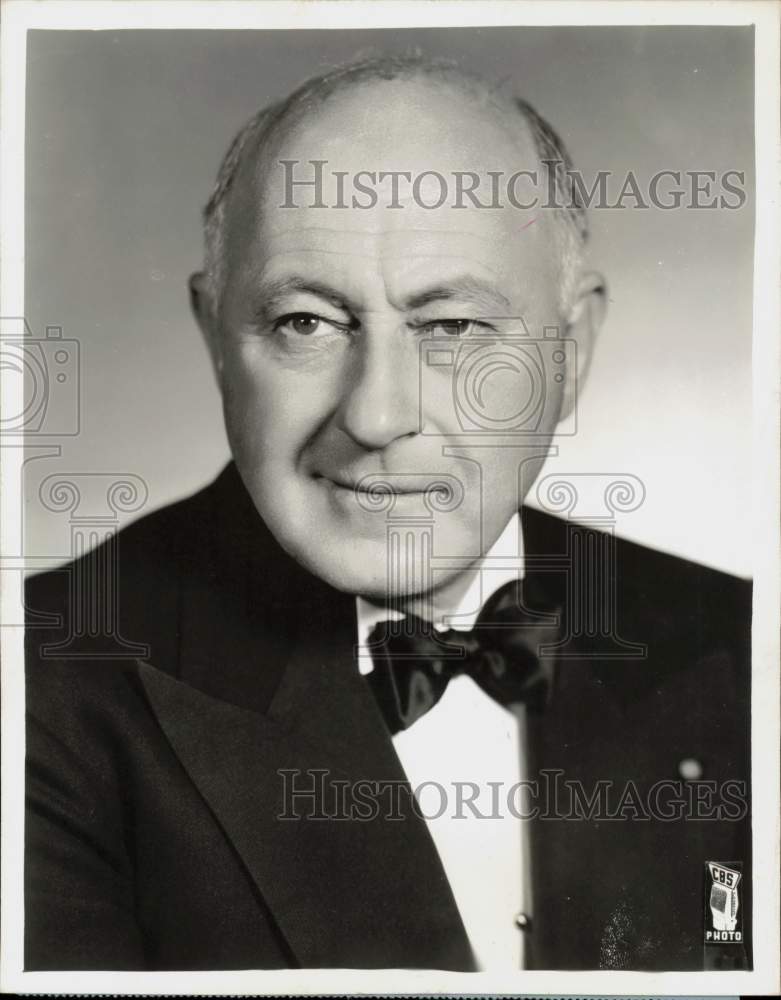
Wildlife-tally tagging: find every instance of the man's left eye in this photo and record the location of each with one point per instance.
(449, 327)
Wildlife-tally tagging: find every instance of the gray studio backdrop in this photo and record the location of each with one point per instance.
(125, 131)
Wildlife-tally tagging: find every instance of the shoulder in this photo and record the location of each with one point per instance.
(198, 589)
(118, 602)
(153, 545)
(663, 595)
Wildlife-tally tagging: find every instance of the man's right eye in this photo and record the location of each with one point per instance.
(304, 324)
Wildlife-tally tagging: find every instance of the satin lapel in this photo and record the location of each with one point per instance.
(345, 890)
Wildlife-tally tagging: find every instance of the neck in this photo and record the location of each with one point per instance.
(434, 604)
(502, 562)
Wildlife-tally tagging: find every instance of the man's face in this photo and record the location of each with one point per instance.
(359, 347)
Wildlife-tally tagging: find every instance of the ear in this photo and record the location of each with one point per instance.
(205, 313)
(582, 325)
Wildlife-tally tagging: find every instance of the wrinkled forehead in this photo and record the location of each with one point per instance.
(396, 171)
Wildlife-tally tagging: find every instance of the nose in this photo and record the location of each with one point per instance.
(380, 404)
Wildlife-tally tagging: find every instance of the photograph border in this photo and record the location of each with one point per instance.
(19, 16)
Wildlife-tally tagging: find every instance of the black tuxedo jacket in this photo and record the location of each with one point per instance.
(160, 717)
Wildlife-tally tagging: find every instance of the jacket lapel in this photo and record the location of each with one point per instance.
(309, 791)
(345, 891)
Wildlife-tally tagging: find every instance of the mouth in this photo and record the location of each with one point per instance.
(378, 487)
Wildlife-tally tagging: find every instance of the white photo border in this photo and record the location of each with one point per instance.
(19, 16)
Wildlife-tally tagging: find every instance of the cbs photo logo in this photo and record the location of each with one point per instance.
(532, 365)
(48, 401)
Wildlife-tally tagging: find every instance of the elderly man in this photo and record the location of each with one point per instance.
(388, 716)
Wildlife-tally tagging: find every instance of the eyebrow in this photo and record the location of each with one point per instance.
(273, 290)
(464, 288)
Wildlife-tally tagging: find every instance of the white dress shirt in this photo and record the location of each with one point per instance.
(468, 739)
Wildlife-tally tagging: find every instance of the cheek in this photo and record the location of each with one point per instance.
(270, 409)
(502, 389)
(253, 404)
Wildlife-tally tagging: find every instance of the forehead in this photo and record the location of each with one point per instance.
(427, 134)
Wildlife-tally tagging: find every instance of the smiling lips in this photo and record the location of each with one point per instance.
(382, 485)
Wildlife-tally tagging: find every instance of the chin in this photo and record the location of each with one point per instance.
(359, 567)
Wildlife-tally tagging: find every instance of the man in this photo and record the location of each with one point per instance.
(356, 608)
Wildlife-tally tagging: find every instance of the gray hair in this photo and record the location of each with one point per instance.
(569, 213)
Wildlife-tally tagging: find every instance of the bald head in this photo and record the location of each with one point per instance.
(392, 94)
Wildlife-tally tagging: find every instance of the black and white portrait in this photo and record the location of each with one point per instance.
(384, 473)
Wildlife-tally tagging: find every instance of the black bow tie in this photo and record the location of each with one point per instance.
(505, 653)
